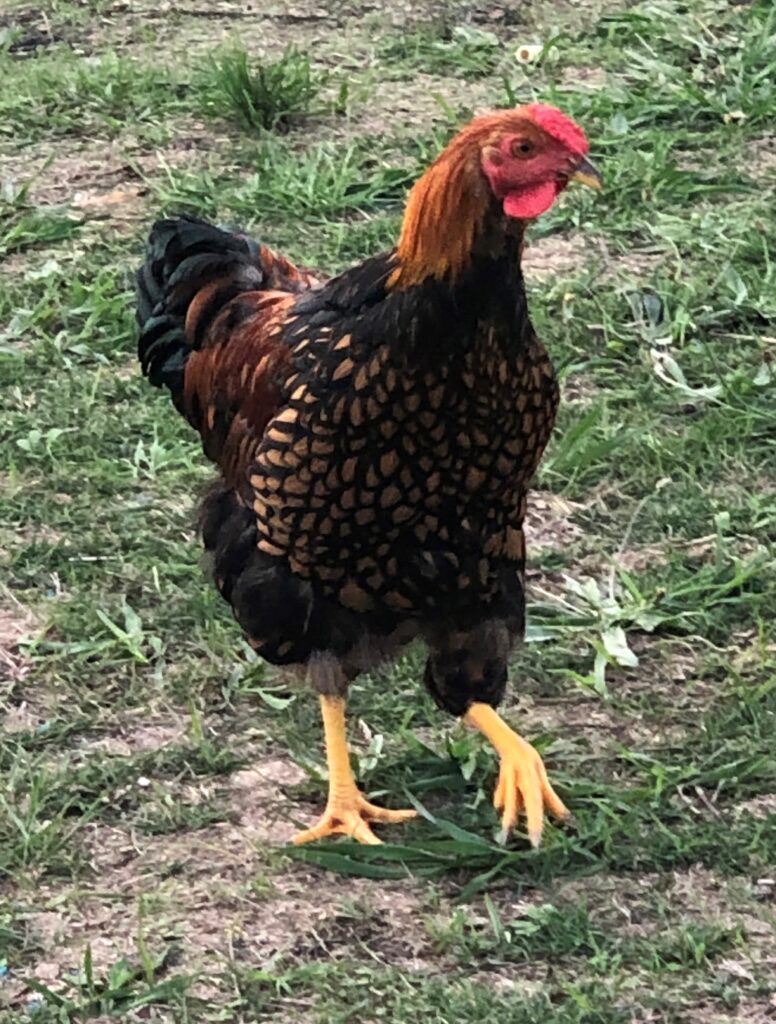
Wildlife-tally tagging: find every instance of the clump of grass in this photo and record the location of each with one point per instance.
(267, 95)
(23, 226)
(125, 986)
(323, 181)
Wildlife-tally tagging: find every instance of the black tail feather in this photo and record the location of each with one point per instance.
(185, 255)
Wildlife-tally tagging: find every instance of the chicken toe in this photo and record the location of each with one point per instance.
(352, 816)
(523, 786)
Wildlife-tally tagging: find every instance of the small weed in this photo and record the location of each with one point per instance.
(543, 931)
(266, 95)
(343, 994)
(122, 988)
(548, 932)
(44, 810)
(14, 939)
(34, 833)
(170, 815)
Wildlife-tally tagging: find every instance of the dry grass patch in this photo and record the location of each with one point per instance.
(57, 178)
(556, 256)
(207, 894)
(763, 806)
(549, 521)
(638, 264)
(581, 721)
(16, 622)
(588, 78)
(136, 738)
(259, 800)
(760, 158)
(417, 103)
(749, 1011)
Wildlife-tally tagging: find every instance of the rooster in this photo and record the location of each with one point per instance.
(376, 434)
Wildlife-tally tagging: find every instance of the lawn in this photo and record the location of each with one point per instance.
(153, 771)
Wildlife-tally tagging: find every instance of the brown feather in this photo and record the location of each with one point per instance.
(215, 374)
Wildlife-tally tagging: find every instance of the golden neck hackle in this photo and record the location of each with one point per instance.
(446, 208)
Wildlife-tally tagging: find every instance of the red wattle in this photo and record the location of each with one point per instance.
(531, 201)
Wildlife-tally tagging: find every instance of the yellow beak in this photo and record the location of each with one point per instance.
(588, 174)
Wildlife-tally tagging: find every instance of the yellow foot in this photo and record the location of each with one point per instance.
(350, 815)
(522, 783)
(523, 786)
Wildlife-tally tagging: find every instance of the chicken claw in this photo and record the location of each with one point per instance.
(351, 815)
(522, 785)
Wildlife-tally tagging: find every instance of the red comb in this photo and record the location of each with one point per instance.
(559, 126)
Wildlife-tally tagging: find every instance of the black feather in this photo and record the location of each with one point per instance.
(184, 255)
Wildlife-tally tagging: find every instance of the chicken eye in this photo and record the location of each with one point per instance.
(522, 147)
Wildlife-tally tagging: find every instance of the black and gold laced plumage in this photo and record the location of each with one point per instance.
(376, 436)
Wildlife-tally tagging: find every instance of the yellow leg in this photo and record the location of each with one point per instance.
(522, 783)
(348, 812)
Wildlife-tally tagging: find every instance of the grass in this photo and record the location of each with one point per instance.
(61, 96)
(439, 49)
(320, 184)
(153, 769)
(23, 225)
(123, 988)
(270, 95)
